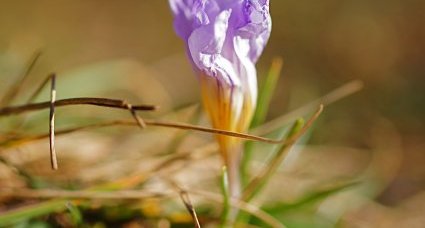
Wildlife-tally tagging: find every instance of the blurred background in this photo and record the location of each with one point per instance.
(128, 49)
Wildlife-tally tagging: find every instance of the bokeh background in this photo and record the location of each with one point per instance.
(128, 49)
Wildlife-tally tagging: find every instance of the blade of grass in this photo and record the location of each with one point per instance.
(330, 98)
(311, 198)
(14, 216)
(75, 214)
(257, 184)
(39, 89)
(17, 86)
(297, 131)
(19, 141)
(265, 94)
(31, 181)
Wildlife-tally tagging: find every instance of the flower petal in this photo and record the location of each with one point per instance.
(206, 45)
(258, 27)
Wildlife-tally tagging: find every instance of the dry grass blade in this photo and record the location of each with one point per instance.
(16, 169)
(82, 194)
(307, 126)
(333, 96)
(16, 87)
(184, 196)
(19, 141)
(271, 168)
(213, 131)
(103, 102)
(53, 156)
(189, 206)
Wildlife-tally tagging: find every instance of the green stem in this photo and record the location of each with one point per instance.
(225, 215)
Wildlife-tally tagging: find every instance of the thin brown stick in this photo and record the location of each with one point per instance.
(17, 86)
(269, 169)
(53, 156)
(104, 102)
(184, 196)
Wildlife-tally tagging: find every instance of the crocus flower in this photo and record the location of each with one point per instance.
(224, 39)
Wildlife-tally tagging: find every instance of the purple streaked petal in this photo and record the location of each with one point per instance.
(182, 10)
(258, 27)
(206, 45)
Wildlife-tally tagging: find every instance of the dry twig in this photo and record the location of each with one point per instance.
(103, 102)
(53, 157)
(184, 196)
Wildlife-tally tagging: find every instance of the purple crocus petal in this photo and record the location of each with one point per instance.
(182, 10)
(205, 45)
(190, 14)
(258, 26)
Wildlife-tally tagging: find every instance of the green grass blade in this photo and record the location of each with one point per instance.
(75, 214)
(266, 92)
(311, 199)
(265, 95)
(257, 184)
(226, 197)
(14, 216)
(260, 181)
